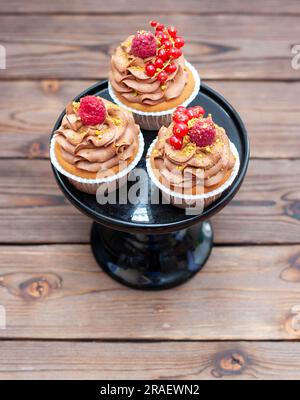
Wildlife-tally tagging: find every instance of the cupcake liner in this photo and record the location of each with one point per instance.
(196, 202)
(155, 120)
(91, 186)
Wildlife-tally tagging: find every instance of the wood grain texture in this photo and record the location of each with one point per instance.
(78, 46)
(33, 210)
(143, 6)
(172, 361)
(269, 109)
(59, 291)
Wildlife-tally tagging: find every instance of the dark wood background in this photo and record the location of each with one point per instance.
(67, 319)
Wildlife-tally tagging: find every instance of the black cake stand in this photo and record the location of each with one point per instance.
(147, 246)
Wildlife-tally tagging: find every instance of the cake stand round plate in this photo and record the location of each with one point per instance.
(156, 246)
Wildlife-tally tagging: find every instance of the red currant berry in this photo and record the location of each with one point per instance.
(190, 113)
(160, 27)
(158, 63)
(180, 109)
(179, 42)
(180, 117)
(153, 23)
(172, 31)
(198, 110)
(168, 44)
(170, 68)
(175, 53)
(163, 37)
(150, 69)
(163, 54)
(162, 76)
(176, 142)
(180, 129)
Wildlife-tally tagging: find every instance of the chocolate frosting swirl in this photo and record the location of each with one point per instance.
(128, 78)
(98, 148)
(193, 169)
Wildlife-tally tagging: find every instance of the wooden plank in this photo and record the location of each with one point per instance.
(60, 292)
(143, 7)
(78, 46)
(270, 111)
(171, 361)
(34, 211)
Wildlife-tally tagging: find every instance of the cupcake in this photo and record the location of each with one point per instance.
(192, 161)
(98, 143)
(150, 76)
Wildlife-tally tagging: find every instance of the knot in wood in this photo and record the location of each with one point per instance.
(293, 210)
(35, 288)
(50, 86)
(230, 363)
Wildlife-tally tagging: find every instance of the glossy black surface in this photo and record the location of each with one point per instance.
(152, 262)
(161, 218)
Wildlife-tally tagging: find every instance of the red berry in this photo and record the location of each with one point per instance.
(160, 27)
(176, 142)
(191, 113)
(175, 53)
(168, 44)
(144, 45)
(198, 110)
(172, 31)
(92, 110)
(163, 37)
(179, 42)
(162, 76)
(203, 133)
(163, 54)
(171, 68)
(150, 69)
(180, 129)
(180, 109)
(180, 117)
(158, 63)
(153, 23)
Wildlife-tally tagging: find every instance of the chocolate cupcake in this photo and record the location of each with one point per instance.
(97, 143)
(150, 76)
(192, 161)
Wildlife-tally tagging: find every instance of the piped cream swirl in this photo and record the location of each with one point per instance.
(128, 78)
(192, 170)
(99, 149)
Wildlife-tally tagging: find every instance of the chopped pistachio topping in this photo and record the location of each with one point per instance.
(116, 121)
(137, 68)
(76, 106)
(192, 122)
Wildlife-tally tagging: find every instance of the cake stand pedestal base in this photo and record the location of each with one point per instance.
(152, 262)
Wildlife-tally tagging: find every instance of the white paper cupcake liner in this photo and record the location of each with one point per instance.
(92, 185)
(155, 120)
(199, 201)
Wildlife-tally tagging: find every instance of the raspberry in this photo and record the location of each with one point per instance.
(203, 132)
(92, 110)
(144, 45)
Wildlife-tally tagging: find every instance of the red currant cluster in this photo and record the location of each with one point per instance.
(169, 49)
(181, 118)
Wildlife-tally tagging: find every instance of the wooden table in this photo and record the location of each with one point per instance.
(65, 317)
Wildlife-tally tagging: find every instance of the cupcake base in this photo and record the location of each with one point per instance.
(194, 203)
(174, 258)
(91, 186)
(155, 117)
